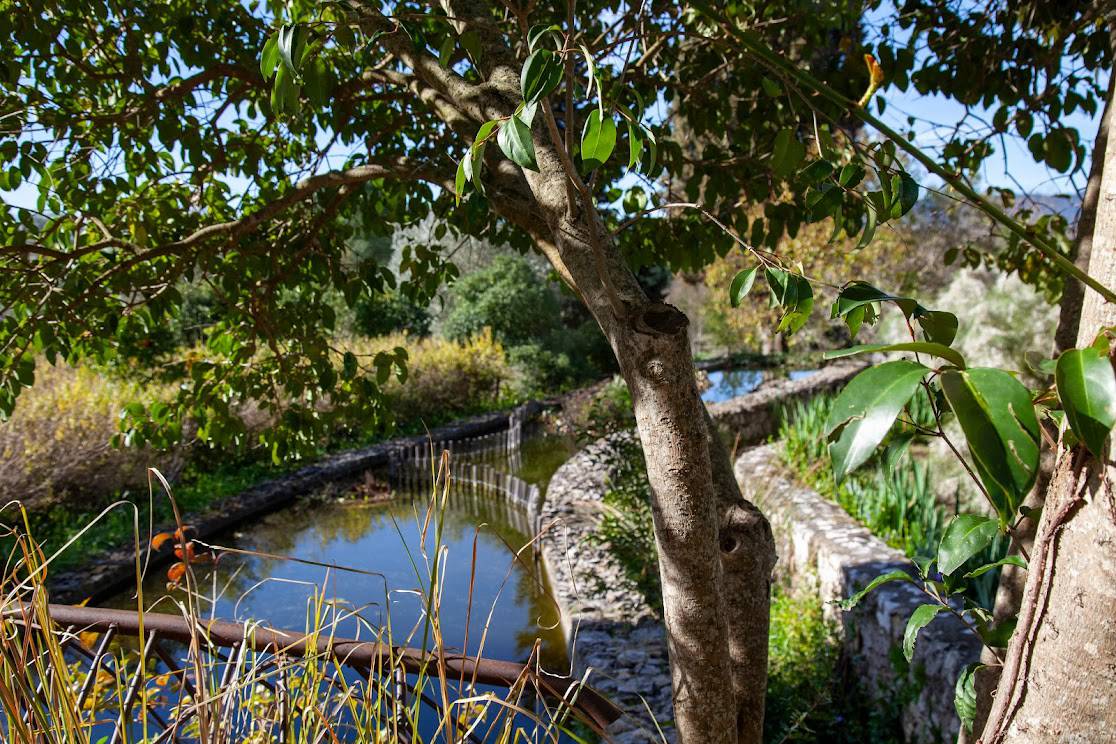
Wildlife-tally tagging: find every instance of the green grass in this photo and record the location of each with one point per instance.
(891, 496)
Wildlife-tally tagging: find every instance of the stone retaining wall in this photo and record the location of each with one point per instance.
(613, 633)
(819, 543)
(609, 628)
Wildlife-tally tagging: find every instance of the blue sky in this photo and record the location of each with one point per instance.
(1014, 168)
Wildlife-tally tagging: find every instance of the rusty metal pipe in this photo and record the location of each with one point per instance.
(350, 652)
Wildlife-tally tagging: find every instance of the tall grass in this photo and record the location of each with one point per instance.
(892, 496)
(195, 691)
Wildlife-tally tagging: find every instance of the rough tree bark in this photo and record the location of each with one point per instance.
(1059, 676)
(715, 549)
(1009, 593)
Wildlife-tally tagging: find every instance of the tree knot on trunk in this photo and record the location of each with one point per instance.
(746, 542)
(660, 319)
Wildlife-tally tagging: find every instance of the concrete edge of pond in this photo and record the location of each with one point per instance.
(822, 549)
(111, 570)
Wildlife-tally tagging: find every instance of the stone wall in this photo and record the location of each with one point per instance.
(610, 630)
(819, 543)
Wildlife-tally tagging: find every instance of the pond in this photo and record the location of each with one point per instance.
(485, 586)
(726, 384)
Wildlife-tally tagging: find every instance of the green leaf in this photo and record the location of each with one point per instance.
(851, 175)
(540, 75)
(965, 536)
(938, 325)
(919, 347)
(787, 154)
(854, 600)
(269, 58)
(635, 146)
(1058, 150)
(908, 193)
(856, 294)
(919, 619)
(742, 285)
(598, 140)
(964, 695)
(794, 294)
(292, 44)
(865, 410)
(284, 91)
(460, 179)
(514, 139)
(998, 419)
(817, 171)
(871, 217)
(484, 131)
(538, 31)
(770, 87)
(1087, 388)
(1011, 560)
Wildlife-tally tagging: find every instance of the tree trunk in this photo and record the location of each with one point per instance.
(715, 550)
(1059, 676)
(1009, 594)
(1069, 309)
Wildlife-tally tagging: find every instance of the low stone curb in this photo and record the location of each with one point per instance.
(107, 572)
(820, 546)
(610, 630)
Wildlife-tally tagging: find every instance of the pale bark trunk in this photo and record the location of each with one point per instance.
(715, 550)
(1009, 595)
(1059, 677)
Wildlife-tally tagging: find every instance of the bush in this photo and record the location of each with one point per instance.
(56, 446)
(445, 379)
(506, 296)
(391, 312)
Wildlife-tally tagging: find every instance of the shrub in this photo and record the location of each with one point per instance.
(56, 445)
(626, 526)
(508, 297)
(445, 378)
(607, 411)
(391, 312)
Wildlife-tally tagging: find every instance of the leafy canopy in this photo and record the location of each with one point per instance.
(236, 146)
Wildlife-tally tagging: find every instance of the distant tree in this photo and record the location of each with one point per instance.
(507, 296)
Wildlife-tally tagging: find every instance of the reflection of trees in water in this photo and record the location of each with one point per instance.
(321, 525)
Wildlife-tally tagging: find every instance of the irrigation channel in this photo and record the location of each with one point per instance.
(370, 554)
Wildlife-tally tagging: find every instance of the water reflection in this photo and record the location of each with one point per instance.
(488, 591)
